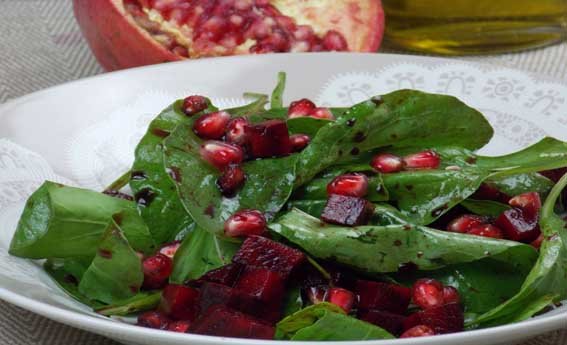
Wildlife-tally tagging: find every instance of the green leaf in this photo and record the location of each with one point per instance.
(115, 273)
(277, 94)
(143, 301)
(269, 182)
(547, 280)
(292, 300)
(522, 183)
(61, 222)
(382, 249)
(199, 253)
(306, 125)
(327, 322)
(150, 177)
(485, 207)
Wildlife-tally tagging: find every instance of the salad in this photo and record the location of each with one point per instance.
(310, 223)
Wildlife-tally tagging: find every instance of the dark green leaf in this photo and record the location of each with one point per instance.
(277, 94)
(522, 183)
(141, 302)
(292, 300)
(485, 207)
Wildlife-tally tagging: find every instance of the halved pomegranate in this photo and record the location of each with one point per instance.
(130, 33)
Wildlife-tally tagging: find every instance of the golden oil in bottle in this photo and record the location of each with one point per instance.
(460, 27)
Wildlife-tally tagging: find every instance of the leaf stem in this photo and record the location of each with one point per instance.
(119, 182)
(319, 268)
(549, 204)
(277, 95)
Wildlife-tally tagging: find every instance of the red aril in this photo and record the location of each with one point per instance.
(387, 163)
(153, 319)
(211, 125)
(194, 104)
(130, 33)
(342, 298)
(418, 331)
(486, 230)
(179, 302)
(353, 184)
(300, 108)
(231, 179)
(451, 295)
(169, 249)
(179, 326)
(428, 159)
(322, 113)
(299, 142)
(529, 203)
(517, 227)
(221, 154)
(157, 269)
(446, 318)
(465, 223)
(245, 223)
(428, 293)
(236, 131)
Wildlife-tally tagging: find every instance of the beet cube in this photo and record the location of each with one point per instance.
(268, 139)
(261, 283)
(213, 294)
(391, 322)
(179, 302)
(262, 252)
(517, 227)
(225, 275)
(347, 210)
(382, 296)
(447, 318)
(222, 321)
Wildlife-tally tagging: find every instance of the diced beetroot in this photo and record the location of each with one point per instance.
(261, 283)
(427, 293)
(225, 275)
(347, 210)
(383, 296)
(262, 252)
(341, 297)
(465, 222)
(516, 227)
(157, 269)
(451, 295)
(226, 322)
(268, 139)
(179, 302)
(181, 326)
(391, 322)
(418, 331)
(486, 230)
(213, 294)
(169, 249)
(447, 318)
(538, 241)
(529, 203)
(555, 174)
(153, 319)
(489, 192)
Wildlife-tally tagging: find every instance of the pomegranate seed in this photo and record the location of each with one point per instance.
(387, 163)
(303, 107)
(428, 159)
(529, 203)
(245, 223)
(169, 249)
(231, 180)
(299, 142)
(221, 154)
(538, 241)
(179, 326)
(341, 297)
(153, 319)
(156, 270)
(236, 131)
(211, 125)
(194, 104)
(354, 184)
(334, 41)
(486, 230)
(418, 331)
(317, 294)
(428, 293)
(465, 223)
(451, 295)
(322, 113)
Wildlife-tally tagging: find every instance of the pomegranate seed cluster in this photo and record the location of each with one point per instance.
(227, 27)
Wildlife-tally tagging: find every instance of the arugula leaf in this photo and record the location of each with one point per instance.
(326, 321)
(269, 182)
(141, 302)
(199, 253)
(115, 272)
(61, 222)
(382, 249)
(547, 280)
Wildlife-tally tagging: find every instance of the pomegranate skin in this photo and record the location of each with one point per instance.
(118, 42)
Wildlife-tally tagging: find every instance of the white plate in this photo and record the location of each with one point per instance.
(84, 133)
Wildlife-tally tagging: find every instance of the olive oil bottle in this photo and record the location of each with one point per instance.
(461, 27)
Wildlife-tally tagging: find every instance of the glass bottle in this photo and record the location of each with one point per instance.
(461, 27)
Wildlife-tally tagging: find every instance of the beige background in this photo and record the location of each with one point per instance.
(41, 46)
